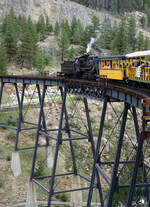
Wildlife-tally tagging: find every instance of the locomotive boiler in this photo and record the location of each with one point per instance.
(83, 67)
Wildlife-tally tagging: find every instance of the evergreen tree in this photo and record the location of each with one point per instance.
(119, 43)
(32, 30)
(65, 26)
(41, 28)
(131, 34)
(3, 59)
(140, 41)
(71, 54)
(27, 48)
(63, 43)
(106, 34)
(10, 32)
(95, 25)
(146, 44)
(40, 61)
(49, 27)
(73, 30)
(76, 31)
(21, 22)
(57, 29)
(86, 37)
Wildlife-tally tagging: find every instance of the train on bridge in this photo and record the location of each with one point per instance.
(130, 68)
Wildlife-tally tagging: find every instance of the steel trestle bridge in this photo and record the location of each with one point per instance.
(106, 93)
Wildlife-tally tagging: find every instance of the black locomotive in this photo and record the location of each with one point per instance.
(83, 67)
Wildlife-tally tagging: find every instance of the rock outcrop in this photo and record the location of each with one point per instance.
(57, 10)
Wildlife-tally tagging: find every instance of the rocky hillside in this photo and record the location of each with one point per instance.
(57, 10)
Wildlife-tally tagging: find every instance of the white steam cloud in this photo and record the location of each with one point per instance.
(89, 45)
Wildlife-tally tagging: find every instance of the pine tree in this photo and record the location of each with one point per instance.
(76, 32)
(63, 43)
(49, 27)
(10, 32)
(140, 41)
(3, 59)
(71, 54)
(32, 30)
(40, 61)
(106, 34)
(65, 26)
(41, 28)
(27, 48)
(21, 22)
(119, 43)
(146, 44)
(95, 25)
(73, 30)
(86, 37)
(57, 29)
(131, 34)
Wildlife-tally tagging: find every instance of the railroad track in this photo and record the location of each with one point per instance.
(59, 81)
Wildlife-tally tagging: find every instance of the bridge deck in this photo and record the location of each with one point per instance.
(91, 89)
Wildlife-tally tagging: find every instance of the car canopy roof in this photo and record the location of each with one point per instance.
(138, 54)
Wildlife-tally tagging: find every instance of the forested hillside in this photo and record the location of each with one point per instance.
(117, 6)
(22, 40)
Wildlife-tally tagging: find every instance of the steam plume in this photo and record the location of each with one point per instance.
(89, 45)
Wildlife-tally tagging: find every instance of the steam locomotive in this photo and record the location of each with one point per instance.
(83, 67)
(133, 67)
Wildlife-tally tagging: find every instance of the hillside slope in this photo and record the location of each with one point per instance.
(56, 10)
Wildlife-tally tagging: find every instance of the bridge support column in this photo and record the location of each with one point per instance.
(1, 92)
(117, 159)
(139, 162)
(20, 118)
(135, 171)
(76, 197)
(96, 157)
(50, 157)
(93, 148)
(31, 196)
(38, 132)
(137, 165)
(48, 147)
(15, 161)
(63, 130)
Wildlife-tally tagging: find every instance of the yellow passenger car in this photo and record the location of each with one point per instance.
(138, 66)
(112, 67)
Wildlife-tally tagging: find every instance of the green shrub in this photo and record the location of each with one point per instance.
(40, 169)
(12, 120)
(8, 158)
(62, 197)
(11, 135)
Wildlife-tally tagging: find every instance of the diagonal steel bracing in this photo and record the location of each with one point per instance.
(64, 119)
(96, 156)
(88, 91)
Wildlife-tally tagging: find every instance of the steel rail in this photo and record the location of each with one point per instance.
(57, 81)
